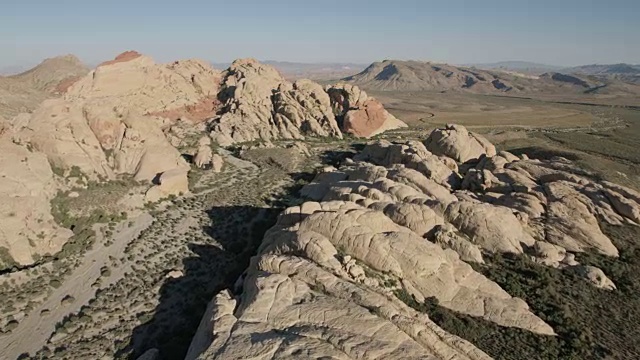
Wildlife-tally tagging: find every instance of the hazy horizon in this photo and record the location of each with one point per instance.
(565, 33)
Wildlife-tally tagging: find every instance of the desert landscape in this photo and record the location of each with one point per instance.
(405, 209)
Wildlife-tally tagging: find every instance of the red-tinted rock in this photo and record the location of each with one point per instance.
(364, 122)
(125, 56)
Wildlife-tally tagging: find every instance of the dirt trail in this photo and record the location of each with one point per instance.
(34, 330)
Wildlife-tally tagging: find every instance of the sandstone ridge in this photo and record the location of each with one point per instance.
(405, 218)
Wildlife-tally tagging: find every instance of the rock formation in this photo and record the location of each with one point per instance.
(259, 104)
(204, 154)
(361, 115)
(171, 182)
(457, 143)
(328, 277)
(129, 117)
(109, 122)
(27, 229)
(103, 124)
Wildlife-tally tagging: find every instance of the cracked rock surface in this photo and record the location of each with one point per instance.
(396, 219)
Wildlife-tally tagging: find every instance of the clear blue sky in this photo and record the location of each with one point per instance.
(560, 32)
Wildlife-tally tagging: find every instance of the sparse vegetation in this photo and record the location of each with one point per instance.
(67, 300)
(590, 323)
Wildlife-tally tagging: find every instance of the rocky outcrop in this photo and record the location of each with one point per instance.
(172, 182)
(103, 125)
(456, 142)
(204, 154)
(361, 115)
(27, 229)
(595, 276)
(387, 225)
(259, 104)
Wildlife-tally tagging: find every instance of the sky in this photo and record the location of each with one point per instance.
(560, 32)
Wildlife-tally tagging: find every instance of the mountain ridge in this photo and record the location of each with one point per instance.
(411, 75)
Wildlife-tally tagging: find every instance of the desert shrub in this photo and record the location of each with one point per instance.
(6, 260)
(11, 325)
(68, 299)
(105, 272)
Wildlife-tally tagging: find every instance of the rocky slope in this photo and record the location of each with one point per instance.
(24, 92)
(259, 104)
(131, 117)
(624, 72)
(395, 75)
(402, 220)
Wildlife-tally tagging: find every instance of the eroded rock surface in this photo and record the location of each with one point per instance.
(362, 115)
(27, 229)
(104, 124)
(459, 144)
(259, 104)
(397, 219)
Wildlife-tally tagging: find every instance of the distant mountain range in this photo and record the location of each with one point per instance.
(519, 66)
(396, 75)
(314, 71)
(24, 91)
(623, 72)
(609, 69)
(536, 68)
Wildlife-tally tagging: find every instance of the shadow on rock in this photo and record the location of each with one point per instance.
(336, 157)
(536, 152)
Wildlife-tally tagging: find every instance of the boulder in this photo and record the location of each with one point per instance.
(204, 154)
(171, 182)
(549, 254)
(217, 162)
(448, 238)
(492, 228)
(456, 142)
(361, 115)
(572, 222)
(595, 276)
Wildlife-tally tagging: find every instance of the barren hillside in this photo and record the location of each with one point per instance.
(394, 75)
(25, 91)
